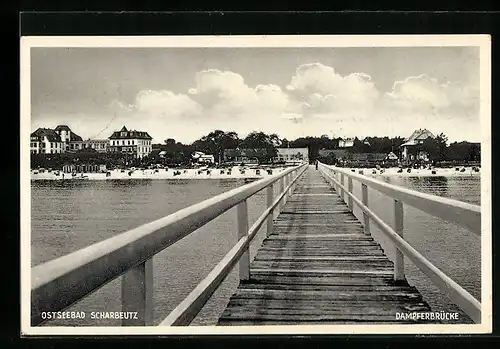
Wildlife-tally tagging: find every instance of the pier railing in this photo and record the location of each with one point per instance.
(60, 283)
(460, 213)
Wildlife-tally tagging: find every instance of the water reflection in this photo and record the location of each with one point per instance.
(435, 185)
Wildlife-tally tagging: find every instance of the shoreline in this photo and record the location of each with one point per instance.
(250, 173)
(185, 173)
(439, 172)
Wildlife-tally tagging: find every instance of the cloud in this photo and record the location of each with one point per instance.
(424, 93)
(315, 101)
(422, 100)
(165, 104)
(326, 94)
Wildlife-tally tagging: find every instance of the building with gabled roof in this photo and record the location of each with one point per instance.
(346, 142)
(70, 139)
(45, 141)
(410, 150)
(133, 142)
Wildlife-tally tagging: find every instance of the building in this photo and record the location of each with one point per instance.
(135, 143)
(391, 159)
(292, 155)
(333, 156)
(68, 137)
(46, 141)
(83, 168)
(365, 159)
(346, 142)
(99, 145)
(203, 158)
(410, 151)
(246, 156)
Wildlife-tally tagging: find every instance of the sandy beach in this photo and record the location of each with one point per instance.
(439, 172)
(249, 173)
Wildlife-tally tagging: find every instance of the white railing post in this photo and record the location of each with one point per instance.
(349, 199)
(270, 199)
(364, 200)
(288, 181)
(338, 179)
(282, 189)
(399, 262)
(137, 294)
(342, 190)
(244, 263)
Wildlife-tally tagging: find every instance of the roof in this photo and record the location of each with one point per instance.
(75, 137)
(259, 152)
(129, 134)
(51, 135)
(391, 156)
(368, 156)
(292, 150)
(420, 134)
(62, 128)
(97, 141)
(338, 153)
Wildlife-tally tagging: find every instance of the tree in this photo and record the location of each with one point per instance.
(441, 141)
(215, 142)
(431, 147)
(260, 140)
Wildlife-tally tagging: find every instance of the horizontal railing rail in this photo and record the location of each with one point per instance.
(457, 294)
(464, 214)
(58, 284)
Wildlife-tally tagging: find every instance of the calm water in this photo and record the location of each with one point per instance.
(67, 216)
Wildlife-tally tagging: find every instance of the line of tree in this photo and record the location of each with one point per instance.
(214, 143)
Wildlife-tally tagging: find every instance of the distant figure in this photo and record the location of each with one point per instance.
(317, 165)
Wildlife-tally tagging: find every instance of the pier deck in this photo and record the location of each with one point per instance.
(319, 267)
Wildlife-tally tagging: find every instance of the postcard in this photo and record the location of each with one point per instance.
(204, 185)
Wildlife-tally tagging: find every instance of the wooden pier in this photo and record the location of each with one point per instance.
(319, 266)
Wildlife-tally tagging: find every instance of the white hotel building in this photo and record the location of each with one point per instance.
(136, 143)
(46, 141)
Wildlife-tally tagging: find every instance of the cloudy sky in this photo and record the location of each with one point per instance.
(183, 93)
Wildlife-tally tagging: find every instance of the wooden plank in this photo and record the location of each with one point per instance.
(326, 236)
(320, 253)
(319, 194)
(285, 310)
(275, 257)
(329, 288)
(326, 243)
(260, 322)
(298, 211)
(266, 316)
(322, 272)
(321, 265)
(321, 280)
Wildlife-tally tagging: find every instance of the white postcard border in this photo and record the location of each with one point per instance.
(289, 41)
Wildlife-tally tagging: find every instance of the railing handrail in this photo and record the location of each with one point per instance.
(57, 284)
(464, 214)
(462, 298)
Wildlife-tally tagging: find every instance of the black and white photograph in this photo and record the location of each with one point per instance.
(256, 184)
